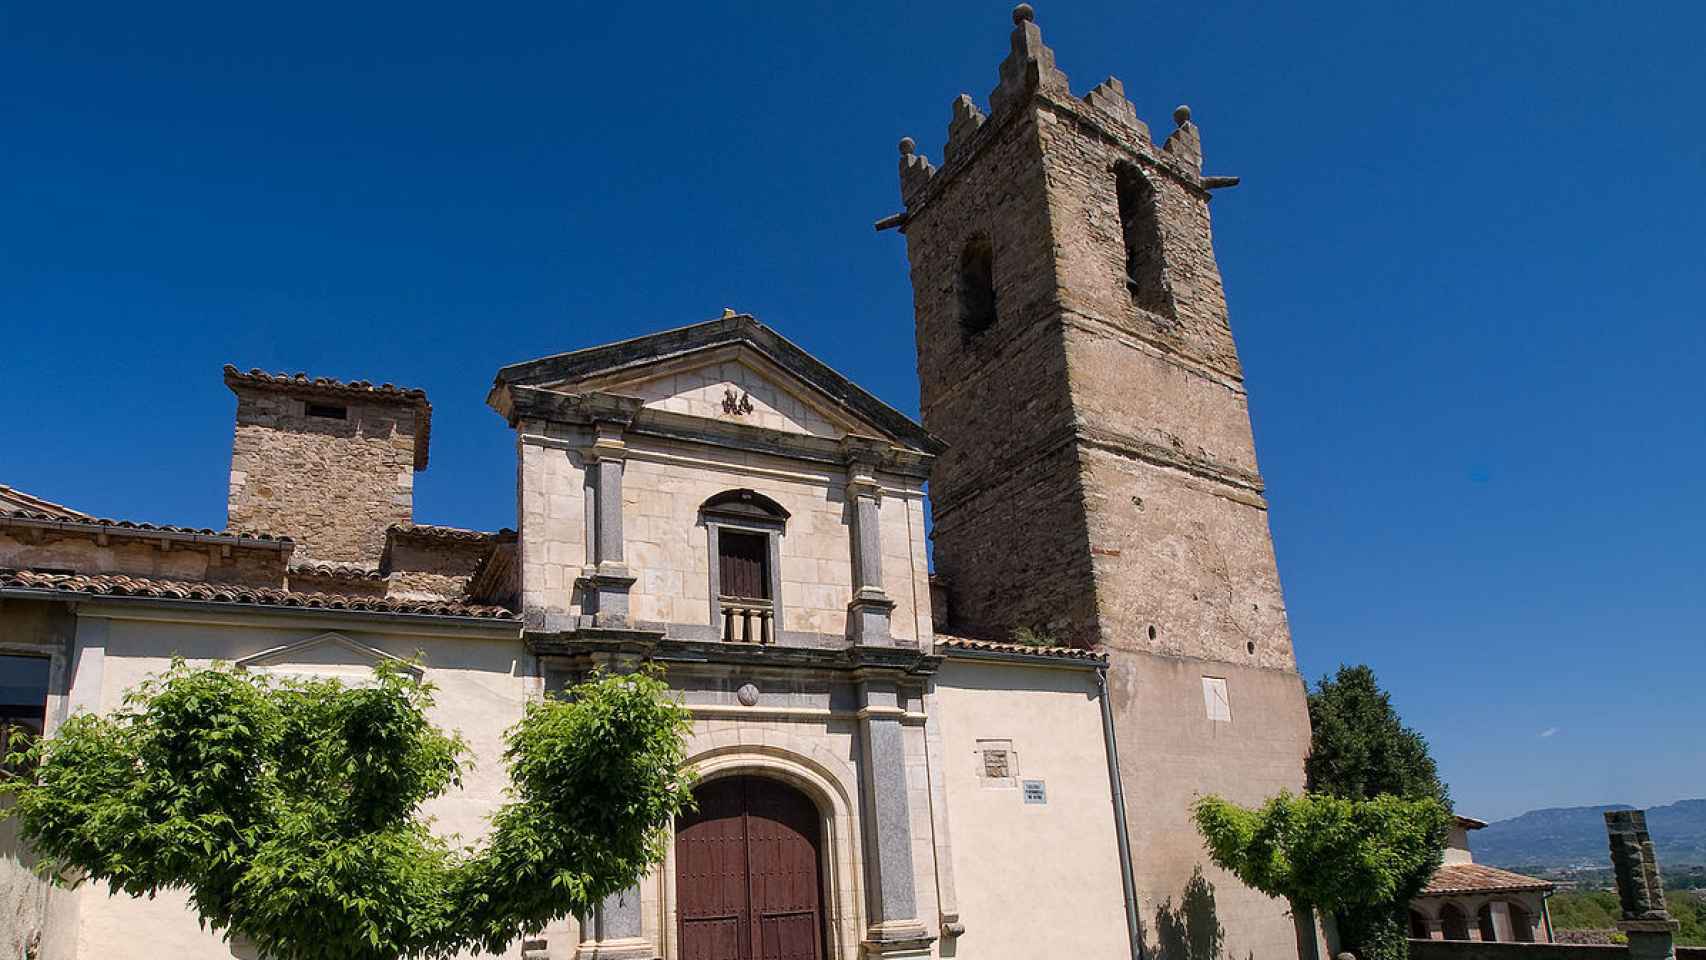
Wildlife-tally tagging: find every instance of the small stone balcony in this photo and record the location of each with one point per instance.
(748, 620)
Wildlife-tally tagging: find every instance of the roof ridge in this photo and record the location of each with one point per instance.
(140, 528)
(127, 585)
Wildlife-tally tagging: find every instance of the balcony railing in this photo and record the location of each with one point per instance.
(748, 620)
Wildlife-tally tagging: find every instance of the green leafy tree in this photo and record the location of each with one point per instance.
(1361, 750)
(289, 810)
(1360, 747)
(1320, 852)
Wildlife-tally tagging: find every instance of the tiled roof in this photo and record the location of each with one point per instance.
(11, 498)
(428, 531)
(1456, 878)
(117, 585)
(945, 642)
(338, 571)
(302, 384)
(36, 518)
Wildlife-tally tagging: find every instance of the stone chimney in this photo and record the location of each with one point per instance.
(330, 464)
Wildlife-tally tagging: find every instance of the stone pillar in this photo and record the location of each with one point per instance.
(895, 930)
(608, 581)
(613, 930)
(868, 613)
(1640, 891)
(1503, 932)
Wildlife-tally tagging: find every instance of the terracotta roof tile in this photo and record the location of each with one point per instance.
(11, 498)
(949, 642)
(117, 585)
(337, 571)
(1456, 878)
(301, 384)
(100, 525)
(428, 531)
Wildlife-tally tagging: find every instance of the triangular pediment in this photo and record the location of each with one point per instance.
(734, 385)
(733, 370)
(326, 656)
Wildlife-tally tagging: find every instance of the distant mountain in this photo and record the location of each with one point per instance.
(1575, 837)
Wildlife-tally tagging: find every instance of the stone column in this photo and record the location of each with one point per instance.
(1640, 891)
(894, 930)
(613, 930)
(608, 581)
(868, 613)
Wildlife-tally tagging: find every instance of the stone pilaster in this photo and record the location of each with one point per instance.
(613, 931)
(895, 929)
(608, 581)
(869, 612)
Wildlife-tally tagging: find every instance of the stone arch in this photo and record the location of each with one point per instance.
(827, 780)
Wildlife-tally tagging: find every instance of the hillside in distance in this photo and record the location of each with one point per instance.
(1561, 837)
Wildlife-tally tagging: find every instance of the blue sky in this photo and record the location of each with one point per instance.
(1465, 270)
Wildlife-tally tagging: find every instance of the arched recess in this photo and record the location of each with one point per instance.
(1146, 276)
(1453, 922)
(1484, 919)
(1522, 922)
(1419, 929)
(977, 286)
(825, 779)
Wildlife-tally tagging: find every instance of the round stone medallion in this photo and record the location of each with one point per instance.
(747, 694)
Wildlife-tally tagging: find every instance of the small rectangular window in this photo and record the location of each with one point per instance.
(743, 564)
(328, 411)
(23, 703)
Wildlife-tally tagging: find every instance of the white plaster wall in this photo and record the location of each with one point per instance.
(482, 687)
(1457, 846)
(1033, 880)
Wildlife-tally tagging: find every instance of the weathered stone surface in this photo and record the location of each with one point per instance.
(333, 485)
(1100, 484)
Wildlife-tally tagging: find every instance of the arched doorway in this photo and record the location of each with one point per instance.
(749, 873)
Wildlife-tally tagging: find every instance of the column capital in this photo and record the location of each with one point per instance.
(608, 442)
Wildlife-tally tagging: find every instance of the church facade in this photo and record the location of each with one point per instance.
(994, 759)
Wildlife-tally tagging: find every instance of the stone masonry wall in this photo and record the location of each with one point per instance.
(49, 550)
(1158, 514)
(332, 485)
(1007, 506)
(1101, 482)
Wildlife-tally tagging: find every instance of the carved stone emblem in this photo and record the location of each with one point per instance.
(736, 406)
(747, 694)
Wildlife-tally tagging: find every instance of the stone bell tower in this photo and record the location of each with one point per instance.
(1100, 484)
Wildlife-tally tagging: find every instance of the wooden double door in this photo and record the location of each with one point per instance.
(749, 873)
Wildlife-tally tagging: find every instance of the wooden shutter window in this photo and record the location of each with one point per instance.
(743, 564)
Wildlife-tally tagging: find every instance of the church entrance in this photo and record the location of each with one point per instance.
(748, 873)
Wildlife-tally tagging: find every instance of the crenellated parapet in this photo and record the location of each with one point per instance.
(1185, 143)
(915, 169)
(1029, 66)
(967, 121)
(1108, 99)
(1029, 74)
